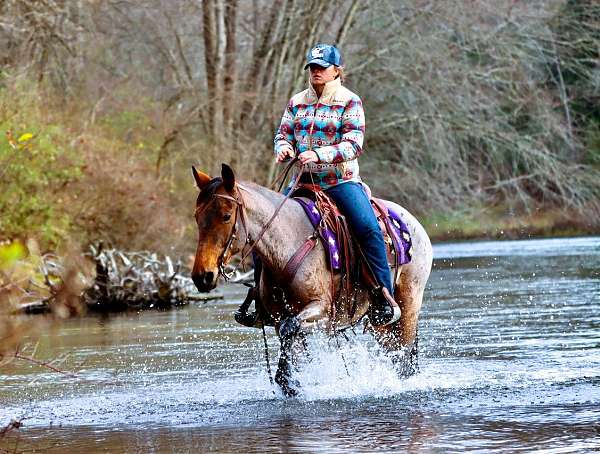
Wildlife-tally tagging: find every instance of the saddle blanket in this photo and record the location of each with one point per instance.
(399, 246)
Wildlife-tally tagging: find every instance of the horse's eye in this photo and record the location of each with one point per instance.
(227, 217)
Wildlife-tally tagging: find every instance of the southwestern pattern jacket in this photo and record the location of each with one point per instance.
(332, 126)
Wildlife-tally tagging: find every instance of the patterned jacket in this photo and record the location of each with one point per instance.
(332, 126)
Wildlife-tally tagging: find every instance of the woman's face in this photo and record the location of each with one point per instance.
(320, 75)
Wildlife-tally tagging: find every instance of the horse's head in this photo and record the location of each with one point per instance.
(217, 208)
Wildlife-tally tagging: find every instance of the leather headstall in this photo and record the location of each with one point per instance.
(240, 213)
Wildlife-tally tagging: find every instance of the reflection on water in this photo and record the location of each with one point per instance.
(510, 361)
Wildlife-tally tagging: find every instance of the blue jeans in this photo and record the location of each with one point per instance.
(354, 204)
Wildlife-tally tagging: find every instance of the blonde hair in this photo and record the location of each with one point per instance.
(341, 75)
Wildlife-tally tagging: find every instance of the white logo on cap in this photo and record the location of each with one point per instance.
(317, 52)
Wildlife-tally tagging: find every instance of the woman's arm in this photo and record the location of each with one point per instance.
(353, 133)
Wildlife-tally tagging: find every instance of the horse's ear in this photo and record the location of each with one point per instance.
(228, 177)
(202, 179)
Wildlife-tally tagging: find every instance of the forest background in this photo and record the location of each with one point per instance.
(483, 116)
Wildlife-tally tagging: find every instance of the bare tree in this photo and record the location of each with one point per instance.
(461, 98)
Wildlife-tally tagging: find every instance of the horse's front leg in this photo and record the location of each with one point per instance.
(289, 329)
(293, 343)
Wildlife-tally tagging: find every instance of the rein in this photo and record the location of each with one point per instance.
(240, 211)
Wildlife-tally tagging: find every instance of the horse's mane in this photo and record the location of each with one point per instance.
(248, 186)
(268, 193)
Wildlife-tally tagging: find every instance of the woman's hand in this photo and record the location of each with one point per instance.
(285, 154)
(308, 156)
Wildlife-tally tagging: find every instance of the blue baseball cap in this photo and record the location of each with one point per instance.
(324, 55)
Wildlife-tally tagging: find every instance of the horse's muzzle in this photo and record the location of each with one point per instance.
(205, 282)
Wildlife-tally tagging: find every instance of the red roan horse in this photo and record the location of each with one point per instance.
(230, 215)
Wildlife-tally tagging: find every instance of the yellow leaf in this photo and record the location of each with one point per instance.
(25, 137)
(10, 253)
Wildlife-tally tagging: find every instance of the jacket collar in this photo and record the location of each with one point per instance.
(328, 91)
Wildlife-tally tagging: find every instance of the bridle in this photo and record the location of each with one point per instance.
(240, 213)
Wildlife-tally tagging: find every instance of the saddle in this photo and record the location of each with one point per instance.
(343, 251)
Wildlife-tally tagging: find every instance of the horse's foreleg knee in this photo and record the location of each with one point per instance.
(288, 328)
(313, 313)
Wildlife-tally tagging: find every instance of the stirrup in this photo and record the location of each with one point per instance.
(242, 316)
(384, 309)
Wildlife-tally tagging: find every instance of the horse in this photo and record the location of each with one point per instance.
(231, 216)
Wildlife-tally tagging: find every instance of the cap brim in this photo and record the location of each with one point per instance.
(318, 61)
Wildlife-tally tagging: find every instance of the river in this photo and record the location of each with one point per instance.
(509, 359)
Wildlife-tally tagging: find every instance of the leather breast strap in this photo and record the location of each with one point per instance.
(291, 267)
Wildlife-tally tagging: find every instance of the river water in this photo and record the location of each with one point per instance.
(509, 357)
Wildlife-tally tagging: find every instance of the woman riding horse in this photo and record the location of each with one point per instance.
(324, 127)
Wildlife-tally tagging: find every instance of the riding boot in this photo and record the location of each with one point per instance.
(242, 316)
(384, 309)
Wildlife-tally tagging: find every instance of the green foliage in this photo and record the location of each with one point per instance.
(36, 163)
(70, 175)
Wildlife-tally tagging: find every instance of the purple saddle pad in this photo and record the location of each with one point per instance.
(402, 235)
(330, 241)
(329, 238)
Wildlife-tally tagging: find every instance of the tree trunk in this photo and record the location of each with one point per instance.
(209, 33)
(230, 74)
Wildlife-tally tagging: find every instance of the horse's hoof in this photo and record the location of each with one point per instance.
(288, 387)
(291, 392)
(289, 327)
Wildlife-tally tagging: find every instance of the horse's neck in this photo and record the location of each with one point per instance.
(279, 242)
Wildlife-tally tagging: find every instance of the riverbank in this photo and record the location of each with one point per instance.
(496, 223)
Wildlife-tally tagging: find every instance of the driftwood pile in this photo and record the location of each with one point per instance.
(143, 280)
(138, 280)
(126, 281)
